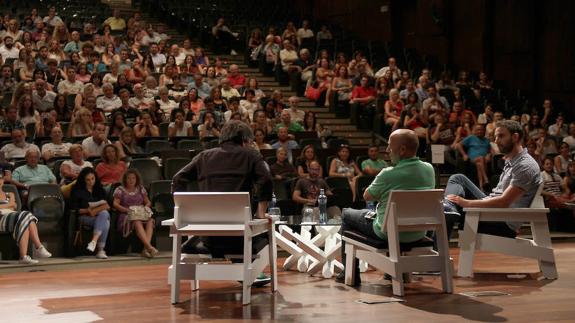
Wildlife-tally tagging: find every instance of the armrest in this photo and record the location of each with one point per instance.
(505, 210)
(168, 222)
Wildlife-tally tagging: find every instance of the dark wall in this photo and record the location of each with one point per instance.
(527, 43)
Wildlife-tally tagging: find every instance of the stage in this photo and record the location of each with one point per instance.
(137, 291)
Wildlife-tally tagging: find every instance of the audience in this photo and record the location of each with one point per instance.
(94, 145)
(373, 164)
(111, 169)
(282, 168)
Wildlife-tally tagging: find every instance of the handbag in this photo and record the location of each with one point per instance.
(139, 213)
(312, 93)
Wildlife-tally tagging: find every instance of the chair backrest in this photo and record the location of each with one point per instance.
(148, 168)
(173, 165)
(425, 214)
(190, 144)
(537, 202)
(12, 188)
(335, 143)
(156, 145)
(211, 208)
(39, 191)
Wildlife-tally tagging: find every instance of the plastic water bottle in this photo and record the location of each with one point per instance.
(273, 202)
(307, 214)
(322, 203)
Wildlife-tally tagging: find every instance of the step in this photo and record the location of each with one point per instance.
(352, 134)
(334, 121)
(359, 143)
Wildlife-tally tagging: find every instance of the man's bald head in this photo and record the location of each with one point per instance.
(403, 143)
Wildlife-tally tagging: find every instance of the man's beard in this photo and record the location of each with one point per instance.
(505, 149)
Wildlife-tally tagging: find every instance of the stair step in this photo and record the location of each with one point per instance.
(352, 134)
(334, 122)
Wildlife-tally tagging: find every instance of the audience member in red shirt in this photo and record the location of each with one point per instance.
(237, 80)
(363, 94)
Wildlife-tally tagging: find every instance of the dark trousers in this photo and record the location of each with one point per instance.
(355, 220)
(460, 185)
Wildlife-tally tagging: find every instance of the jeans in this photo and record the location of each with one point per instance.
(355, 220)
(460, 185)
(100, 224)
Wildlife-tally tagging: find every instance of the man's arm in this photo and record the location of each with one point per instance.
(510, 195)
(185, 175)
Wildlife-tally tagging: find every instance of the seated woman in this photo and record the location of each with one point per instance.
(118, 124)
(127, 143)
(132, 193)
(70, 169)
(344, 166)
(310, 123)
(261, 122)
(21, 225)
(552, 190)
(282, 168)
(393, 108)
(145, 128)
(306, 157)
(81, 124)
(260, 140)
(562, 160)
(89, 201)
(111, 169)
(210, 127)
(179, 127)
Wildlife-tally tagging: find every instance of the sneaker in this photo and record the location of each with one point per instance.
(27, 260)
(91, 246)
(261, 281)
(101, 255)
(233, 53)
(42, 252)
(449, 208)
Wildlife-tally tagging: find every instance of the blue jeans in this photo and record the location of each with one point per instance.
(460, 185)
(100, 224)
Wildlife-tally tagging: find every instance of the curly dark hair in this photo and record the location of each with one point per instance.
(97, 191)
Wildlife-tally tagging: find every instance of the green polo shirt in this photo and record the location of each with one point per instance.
(293, 127)
(408, 174)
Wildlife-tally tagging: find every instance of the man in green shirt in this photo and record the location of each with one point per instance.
(373, 165)
(408, 173)
(286, 122)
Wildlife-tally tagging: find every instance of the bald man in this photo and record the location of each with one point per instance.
(407, 173)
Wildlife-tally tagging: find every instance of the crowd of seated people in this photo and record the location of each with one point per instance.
(100, 94)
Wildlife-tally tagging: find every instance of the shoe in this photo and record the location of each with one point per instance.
(42, 252)
(450, 209)
(91, 246)
(340, 278)
(101, 255)
(196, 245)
(153, 252)
(233, 53)
(27, 260)
(146, 254)
(261, 281)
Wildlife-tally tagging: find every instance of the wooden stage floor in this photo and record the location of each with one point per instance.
(140, 293)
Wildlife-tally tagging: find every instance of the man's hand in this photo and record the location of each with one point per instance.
(458, 200)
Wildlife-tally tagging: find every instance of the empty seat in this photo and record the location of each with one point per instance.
(148, 168)
(190, 144)
(155, 146)
(173, 165)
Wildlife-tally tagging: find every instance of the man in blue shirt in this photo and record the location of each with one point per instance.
(517, 185)
(477, 149)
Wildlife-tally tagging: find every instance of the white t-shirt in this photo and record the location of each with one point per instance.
(76, 169)
(183, 132)
(66, 86)
(9, 53)
(57, 150)
(108, 104)
(92, 148)
(12, 151)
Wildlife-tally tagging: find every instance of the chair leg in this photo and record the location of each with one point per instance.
(349, 266)
(467, 243)
(541, 237)
(397, 285)
(175, 274)
(273, 259)
(248, 268)
(195, 285)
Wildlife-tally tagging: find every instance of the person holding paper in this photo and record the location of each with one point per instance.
(89, 201)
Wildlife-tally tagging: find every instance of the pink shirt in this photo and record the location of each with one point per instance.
(110, 174)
